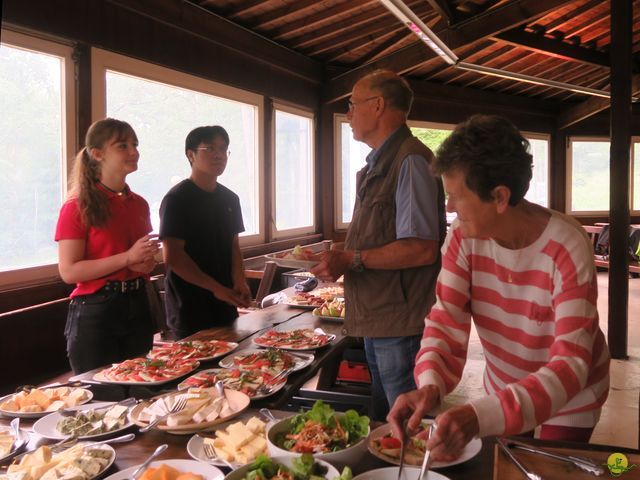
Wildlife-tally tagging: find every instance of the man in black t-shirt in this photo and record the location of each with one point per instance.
(200, 220)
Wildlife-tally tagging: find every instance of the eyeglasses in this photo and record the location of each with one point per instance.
(212, 149)
(353, 104)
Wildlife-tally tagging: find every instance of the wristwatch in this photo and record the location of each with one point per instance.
(356, 264)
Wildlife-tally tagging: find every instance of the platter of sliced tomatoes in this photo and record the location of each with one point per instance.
(147, 371)
(245, 381)
(298, 339)
(202, 350)
(271, 361)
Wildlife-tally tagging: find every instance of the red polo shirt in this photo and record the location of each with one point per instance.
(128, 222)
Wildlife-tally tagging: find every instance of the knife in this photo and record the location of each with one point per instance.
(582, 463)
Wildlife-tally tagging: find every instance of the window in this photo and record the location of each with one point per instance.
(294, 179)
(37, 137)
(163, 106)
(350, 158)
(539, 186)
(588, 180)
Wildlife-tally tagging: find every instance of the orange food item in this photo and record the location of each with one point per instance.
(165, 472)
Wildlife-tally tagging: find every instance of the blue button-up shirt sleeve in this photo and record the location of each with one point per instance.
(417, 200)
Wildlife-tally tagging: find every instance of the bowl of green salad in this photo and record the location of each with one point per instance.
(339, 438)
(304, 467)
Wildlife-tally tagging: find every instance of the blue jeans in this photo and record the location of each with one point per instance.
(391, 361)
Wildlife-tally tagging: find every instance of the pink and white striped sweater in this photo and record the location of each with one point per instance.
(535, 313)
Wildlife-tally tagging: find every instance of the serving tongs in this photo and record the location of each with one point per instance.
(583, 463)
(527, 474)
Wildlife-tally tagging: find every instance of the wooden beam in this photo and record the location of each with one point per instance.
(621, 50)
(279, 14)
(500, 19)
(559, 49)
(442, 7)
(312, 19)
(590, 107)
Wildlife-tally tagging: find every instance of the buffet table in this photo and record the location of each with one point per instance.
(243, 330)
(487, 464)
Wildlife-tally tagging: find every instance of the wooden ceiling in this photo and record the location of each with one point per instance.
(564, 41)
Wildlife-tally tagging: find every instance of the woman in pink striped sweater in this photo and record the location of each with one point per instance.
(526, 277)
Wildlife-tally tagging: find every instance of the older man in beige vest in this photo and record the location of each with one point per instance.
(391, 255)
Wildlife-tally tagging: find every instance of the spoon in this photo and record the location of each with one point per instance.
(140, 470)
(15, 426)
(265, 412)
(121, 439)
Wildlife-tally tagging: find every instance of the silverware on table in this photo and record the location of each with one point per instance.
(180, 405)
(585, 464)
(426, 461)
(15, 426)
(266, 413)
(141, 469)
(73, 411)
(529, 475)
(211, 454)
(121, 439)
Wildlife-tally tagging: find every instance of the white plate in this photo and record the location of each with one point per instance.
(302, 360)
(470, 450)
(99, 377)
(194, 449)
(330, 338)
(275, 388)
(46, 426)
(36, 414)
(292, 262)
(233, 346)
(391, 473)
(109, 448)
(23, 439)
(209, 472)
(298, 305)
(237, 400)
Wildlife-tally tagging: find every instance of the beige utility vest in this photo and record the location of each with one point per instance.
(387, 303)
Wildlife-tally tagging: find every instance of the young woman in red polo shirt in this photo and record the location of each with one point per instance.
(104, 247)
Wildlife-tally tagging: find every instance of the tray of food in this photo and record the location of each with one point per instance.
(255, 383)
(201, 350)
(146, 371)
(297, 339)
(271, 361)
(333, 310)
(204, 408)
(38, 402)
(299, 257)
(87, 422)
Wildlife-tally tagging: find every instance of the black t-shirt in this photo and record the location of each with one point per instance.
(207, 222)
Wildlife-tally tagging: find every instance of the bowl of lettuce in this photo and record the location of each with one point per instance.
(339, 438)
(286, 468)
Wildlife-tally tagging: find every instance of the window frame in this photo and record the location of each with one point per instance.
(632, 185)
(547, 137)
(569, 175)
(338, 120)
(293, 232)
(46, 273)
(102, 60)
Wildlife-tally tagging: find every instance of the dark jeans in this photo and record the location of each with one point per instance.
(108, 327)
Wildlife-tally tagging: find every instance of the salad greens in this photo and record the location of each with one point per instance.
(303, 468)
(337, 432)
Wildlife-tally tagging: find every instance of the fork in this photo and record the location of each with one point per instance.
(180, 405)
(268, 387)
(210, 453)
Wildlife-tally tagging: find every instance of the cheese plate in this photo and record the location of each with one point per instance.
(47, 426)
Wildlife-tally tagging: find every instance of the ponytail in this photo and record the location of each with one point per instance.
(93, 203)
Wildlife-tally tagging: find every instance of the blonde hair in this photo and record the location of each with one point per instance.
(93, 204)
